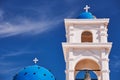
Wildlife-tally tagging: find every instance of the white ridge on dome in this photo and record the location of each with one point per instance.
(35, 60)
(86, 8)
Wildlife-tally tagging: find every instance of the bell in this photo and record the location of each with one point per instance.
(87, 76)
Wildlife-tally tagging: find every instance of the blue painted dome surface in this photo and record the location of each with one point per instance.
(34, 72)
(86, 15)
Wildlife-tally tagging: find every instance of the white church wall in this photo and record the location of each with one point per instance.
(76, 51)
(74, 34)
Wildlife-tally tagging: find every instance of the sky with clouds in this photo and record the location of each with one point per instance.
(35, 28)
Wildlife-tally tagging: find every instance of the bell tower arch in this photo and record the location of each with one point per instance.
(88, 64)
(86, 36)
(87, 48)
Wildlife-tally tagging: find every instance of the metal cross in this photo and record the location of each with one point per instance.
(35, 60)
(86, 8)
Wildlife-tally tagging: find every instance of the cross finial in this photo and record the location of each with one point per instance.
(86, 8)
(35, 60)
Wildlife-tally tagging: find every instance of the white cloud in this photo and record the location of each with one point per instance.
(15, 53)
(27, 27)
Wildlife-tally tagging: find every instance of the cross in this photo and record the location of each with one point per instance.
(86, 8)
(35, 60)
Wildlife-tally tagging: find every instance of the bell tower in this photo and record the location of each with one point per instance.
(87, 47)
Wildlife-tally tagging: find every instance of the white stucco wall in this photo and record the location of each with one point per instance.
(75, 32)
(98, 50)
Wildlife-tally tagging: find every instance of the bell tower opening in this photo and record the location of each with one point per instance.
(86, 36)
(87, 69)
(86, 75)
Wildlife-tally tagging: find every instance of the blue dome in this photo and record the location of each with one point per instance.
(86, 15)
(34, 72)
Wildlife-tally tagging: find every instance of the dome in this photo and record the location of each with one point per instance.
(86, 15)
(34, 72)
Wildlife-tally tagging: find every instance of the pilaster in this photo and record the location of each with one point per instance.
(104, 65)
(103, 34)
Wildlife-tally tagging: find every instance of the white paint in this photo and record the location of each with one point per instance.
(76, 51)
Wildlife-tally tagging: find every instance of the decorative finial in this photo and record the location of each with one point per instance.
(86, 8)
(35, 60)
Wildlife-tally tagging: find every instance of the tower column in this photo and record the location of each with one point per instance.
(71, 75)
(104, 66)
(105, 72)
(103, 34)
(99, 77)
(69, 71)
(69, 66)
(71, 34)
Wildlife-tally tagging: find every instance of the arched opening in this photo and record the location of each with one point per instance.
(86, 36)
(81, 75)
(87, 65)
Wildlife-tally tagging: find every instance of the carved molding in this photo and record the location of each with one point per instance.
(105, 71)
(70, 59)
(71, 34)
(105, 59)
(103, 34)
(70, 70)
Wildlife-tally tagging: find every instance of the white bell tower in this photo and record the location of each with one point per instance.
(87, 47)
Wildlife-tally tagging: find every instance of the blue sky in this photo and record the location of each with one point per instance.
(35, 28)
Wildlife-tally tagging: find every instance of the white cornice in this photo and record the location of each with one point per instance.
(71, 22)
(67, 46)
(87, 45)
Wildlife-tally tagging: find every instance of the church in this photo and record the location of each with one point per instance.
(86, 49)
